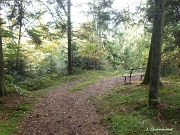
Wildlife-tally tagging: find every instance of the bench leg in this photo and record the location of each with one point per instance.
(130, 79)
(125, 79)
(141, 78)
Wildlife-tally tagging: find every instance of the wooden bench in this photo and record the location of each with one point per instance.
(130, 75)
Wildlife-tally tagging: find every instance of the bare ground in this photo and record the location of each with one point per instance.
(61, 112)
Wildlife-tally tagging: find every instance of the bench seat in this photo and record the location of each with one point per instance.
(138, 74)
(130, 75)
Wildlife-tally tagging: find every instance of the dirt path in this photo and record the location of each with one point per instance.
(61, 112)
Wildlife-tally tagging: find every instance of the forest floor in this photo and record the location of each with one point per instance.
(62, 112)
(92, 104)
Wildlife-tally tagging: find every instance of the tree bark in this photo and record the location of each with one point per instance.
(158, 25)
(69, 39)
(2, 84)
(147, 76)
(146, 79)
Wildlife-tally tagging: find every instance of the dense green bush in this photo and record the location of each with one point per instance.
(39, 82)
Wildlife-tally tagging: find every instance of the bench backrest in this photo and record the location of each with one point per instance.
(132, 69)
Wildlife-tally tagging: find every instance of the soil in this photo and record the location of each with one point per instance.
(61, 112)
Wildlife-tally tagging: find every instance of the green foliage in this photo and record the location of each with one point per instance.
(172, 14)
(35, 36)
(16, 67)
(127, 44)
(15, 61)
(91, 56)
(37, 83)
(170, 56)
(8, 79)
(6, 33)
(113, 57)
(176, 35)
(10, 50)
(11, 87)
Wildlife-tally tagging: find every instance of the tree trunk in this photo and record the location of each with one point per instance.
(146, 79)
(158, 25)
(2, 85)
(19, 57)
(69, 39)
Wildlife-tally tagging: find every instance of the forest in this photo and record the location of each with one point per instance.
(48, 43)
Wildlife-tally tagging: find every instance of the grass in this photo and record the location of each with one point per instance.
(92, 77)
(125, 111)
(11, 115)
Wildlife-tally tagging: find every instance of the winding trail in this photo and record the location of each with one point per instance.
(61, 112)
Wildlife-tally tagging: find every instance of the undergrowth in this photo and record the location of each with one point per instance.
(125, 111)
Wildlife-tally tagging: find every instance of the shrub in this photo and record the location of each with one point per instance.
(37, 83)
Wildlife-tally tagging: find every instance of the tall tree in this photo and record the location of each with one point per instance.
(158, 25)
(172, 18)
(2, 84)
(19, 58)
(69, 39)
